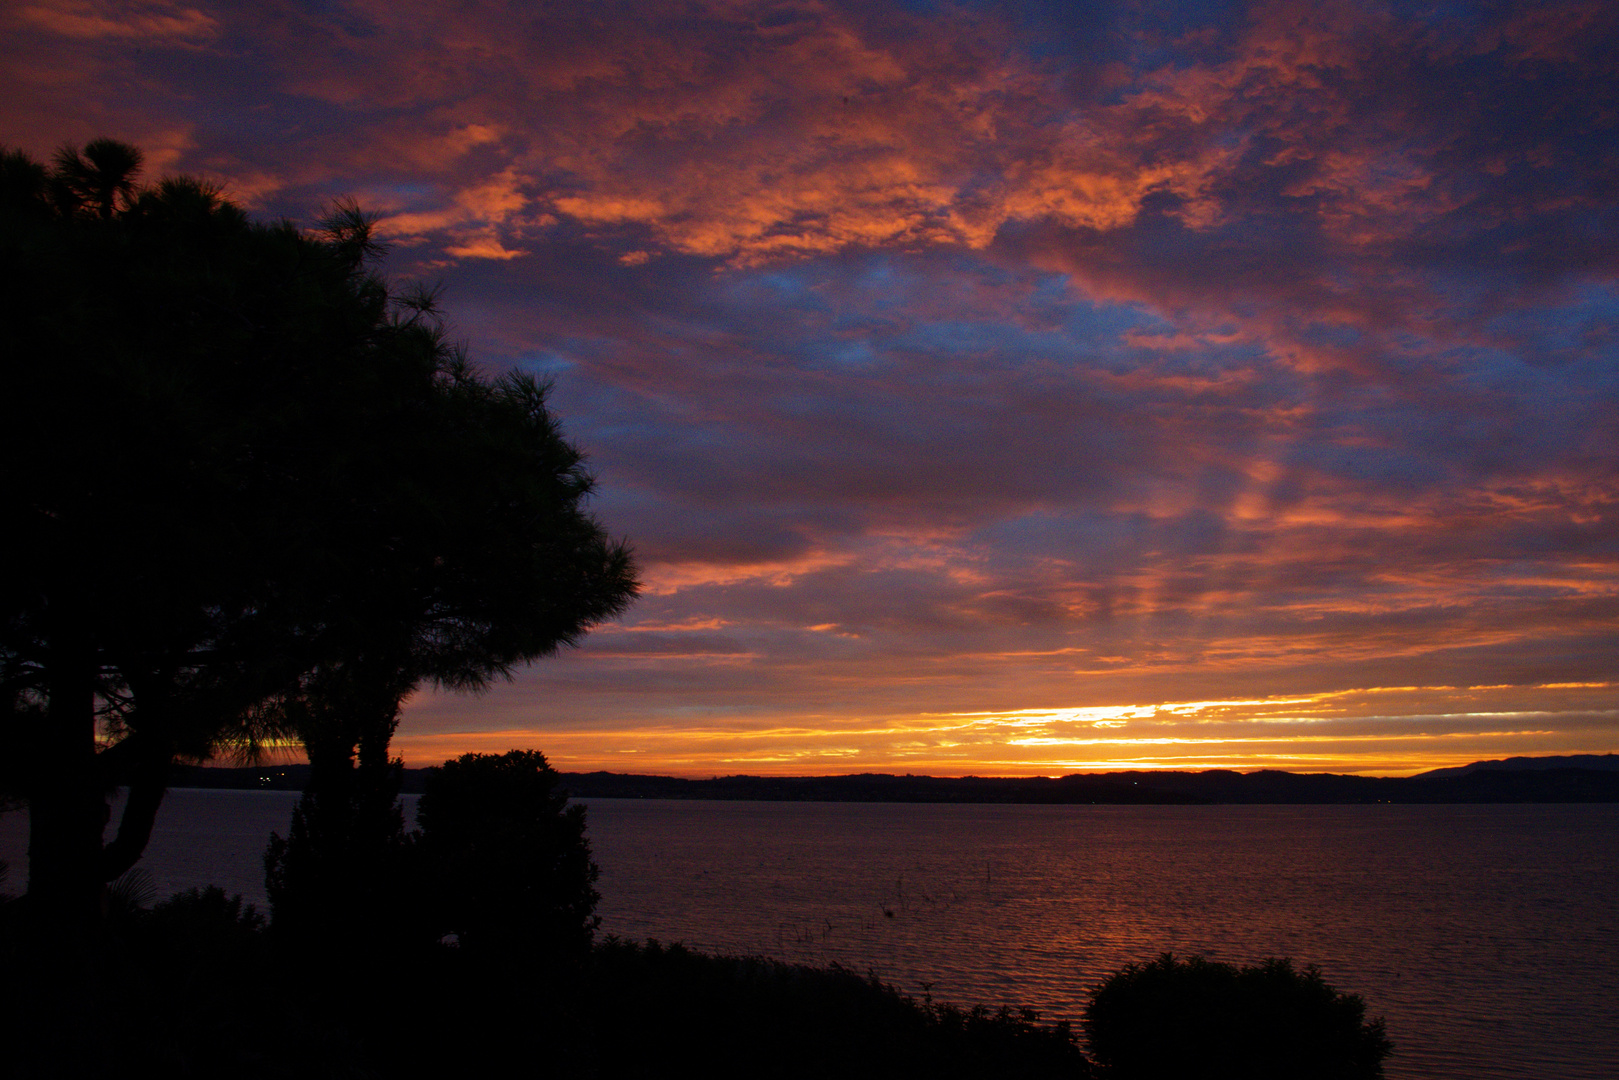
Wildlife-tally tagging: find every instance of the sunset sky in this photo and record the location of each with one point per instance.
(1001, 388)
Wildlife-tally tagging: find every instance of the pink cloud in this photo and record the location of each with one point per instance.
(170, 24)
(935, 369)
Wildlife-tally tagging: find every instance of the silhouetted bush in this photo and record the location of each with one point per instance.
(205, 925)
(210, 986)
(744, 1017)
(508, 868)
(195, 987)
(1174, 1019)
(343, 876)
(190, 987)
(129, 896)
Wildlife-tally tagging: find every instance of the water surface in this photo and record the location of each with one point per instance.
(1487, 936)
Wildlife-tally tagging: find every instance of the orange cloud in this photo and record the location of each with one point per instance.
(1346, 731)
(168, 23)
(940, 365)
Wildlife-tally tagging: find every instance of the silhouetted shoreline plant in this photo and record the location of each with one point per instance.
(208, 991)
(254, 493)
(205, 988)
(506, 862)
(1169, 1019)
(499, 863)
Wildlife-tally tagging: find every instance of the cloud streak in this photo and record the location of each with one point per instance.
(961, 360)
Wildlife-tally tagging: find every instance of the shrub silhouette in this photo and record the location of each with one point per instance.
(654, 1007)
(340, 878)
(206, 926)
(507, 863)
(1181, 1018)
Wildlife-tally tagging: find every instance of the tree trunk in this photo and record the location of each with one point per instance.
(148, 783)
(334, 879)
(67, 807)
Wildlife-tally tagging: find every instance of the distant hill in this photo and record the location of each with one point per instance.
(1213, 786)
(1582, 778)
(1602, 762)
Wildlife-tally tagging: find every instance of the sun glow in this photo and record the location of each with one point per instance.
(1378, 730)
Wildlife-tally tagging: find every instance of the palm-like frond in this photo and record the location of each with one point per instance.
(98, 177)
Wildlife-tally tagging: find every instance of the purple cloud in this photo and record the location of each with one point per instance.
(973, 361)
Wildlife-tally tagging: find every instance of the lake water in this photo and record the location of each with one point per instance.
(1487, 936)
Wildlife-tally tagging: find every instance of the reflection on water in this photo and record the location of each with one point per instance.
(1488, 936)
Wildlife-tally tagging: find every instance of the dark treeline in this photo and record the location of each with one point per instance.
(1215, 786)
(1583, 779)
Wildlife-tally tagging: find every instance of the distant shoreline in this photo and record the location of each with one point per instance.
(1581, 779)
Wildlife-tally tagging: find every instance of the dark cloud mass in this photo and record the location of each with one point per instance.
(987, 387)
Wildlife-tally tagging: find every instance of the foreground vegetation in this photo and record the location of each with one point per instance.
(255, 494)
(199, 985)
(467, 946)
